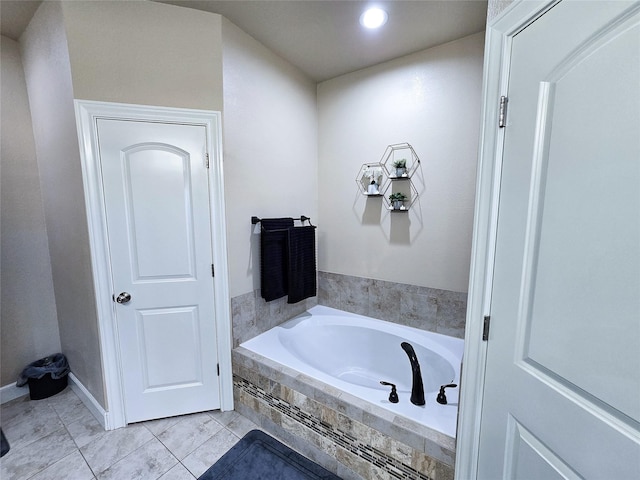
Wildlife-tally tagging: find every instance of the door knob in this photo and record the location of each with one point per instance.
(124, 297)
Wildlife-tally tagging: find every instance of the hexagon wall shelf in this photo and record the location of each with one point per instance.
(372, 179)
(397, 153)
(383, 178)
(406, 188)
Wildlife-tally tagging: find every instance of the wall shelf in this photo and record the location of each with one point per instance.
(381, 179)
(372, 179)
(399, 152)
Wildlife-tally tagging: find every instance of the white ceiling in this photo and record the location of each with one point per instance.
(323, 37)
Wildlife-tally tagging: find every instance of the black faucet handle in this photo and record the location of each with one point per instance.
(442, 398)
(393, 396)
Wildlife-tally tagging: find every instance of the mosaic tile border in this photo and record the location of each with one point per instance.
(366, 452)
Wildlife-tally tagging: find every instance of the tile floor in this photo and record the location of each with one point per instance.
(59, 439)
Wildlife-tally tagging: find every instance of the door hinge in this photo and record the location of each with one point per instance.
(213, 271)
(218, 366)
(206, 158)
(502, 117)
(485, 328)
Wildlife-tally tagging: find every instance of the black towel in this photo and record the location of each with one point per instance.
(302, 263)
(273, 257)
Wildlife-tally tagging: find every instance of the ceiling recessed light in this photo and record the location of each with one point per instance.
(373, 18)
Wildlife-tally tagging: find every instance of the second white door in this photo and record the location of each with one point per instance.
(562, 385)
(159, 231)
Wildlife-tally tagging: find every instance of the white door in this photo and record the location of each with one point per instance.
(159, 232)
(562, 385)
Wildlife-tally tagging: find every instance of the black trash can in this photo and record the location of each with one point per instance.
(46, 376)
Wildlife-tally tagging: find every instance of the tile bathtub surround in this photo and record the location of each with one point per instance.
(58, 438)
(359, 436)
(251, 315)
(440, 311)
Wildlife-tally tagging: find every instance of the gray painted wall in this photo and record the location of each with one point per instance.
(48, 75)
(430, 99)
(28, 318)
(270, 148)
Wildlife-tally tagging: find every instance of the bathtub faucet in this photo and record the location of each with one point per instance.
(417, 389)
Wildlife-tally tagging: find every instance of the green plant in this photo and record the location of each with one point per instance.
(397, 197)
(402, 163)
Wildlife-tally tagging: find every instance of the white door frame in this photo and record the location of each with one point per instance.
(87, 112)
(497, 59)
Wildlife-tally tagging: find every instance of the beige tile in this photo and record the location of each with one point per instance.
(443, 472)
(149, 461)
(189, 433)
(22, 463)
(70, 467)
(424, 464)
(355, 463)
(210, 452)
(113, 446)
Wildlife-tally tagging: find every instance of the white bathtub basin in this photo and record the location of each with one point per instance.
(354, 353)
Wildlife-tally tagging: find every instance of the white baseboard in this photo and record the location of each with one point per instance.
(11, 391)
(89, 401)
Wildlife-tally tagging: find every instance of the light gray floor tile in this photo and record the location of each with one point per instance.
(147, 462)
(70, 467)
(189, 433)
(69, 407)
(17, 406)
(113, 446)
(179, 472)
(160, 425)
(223, 418)
(65, 397)
(85, 431)
(241, 426)
(210, 452)
(26, 422)
(26, 461)
(84, 449)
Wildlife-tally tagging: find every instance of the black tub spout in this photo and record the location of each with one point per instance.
(417, 389)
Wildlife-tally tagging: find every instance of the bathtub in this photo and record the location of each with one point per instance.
(354, 353)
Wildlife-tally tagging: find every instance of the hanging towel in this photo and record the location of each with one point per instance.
(302, 263)
(273, 257)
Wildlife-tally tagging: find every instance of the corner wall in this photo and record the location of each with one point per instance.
(28, 317)
(430, 99)
(270, 165)
(128, 52)
(48, 76)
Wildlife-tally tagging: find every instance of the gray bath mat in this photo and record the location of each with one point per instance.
(257, 456)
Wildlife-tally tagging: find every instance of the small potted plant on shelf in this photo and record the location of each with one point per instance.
(400, 166)
(397, 200)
